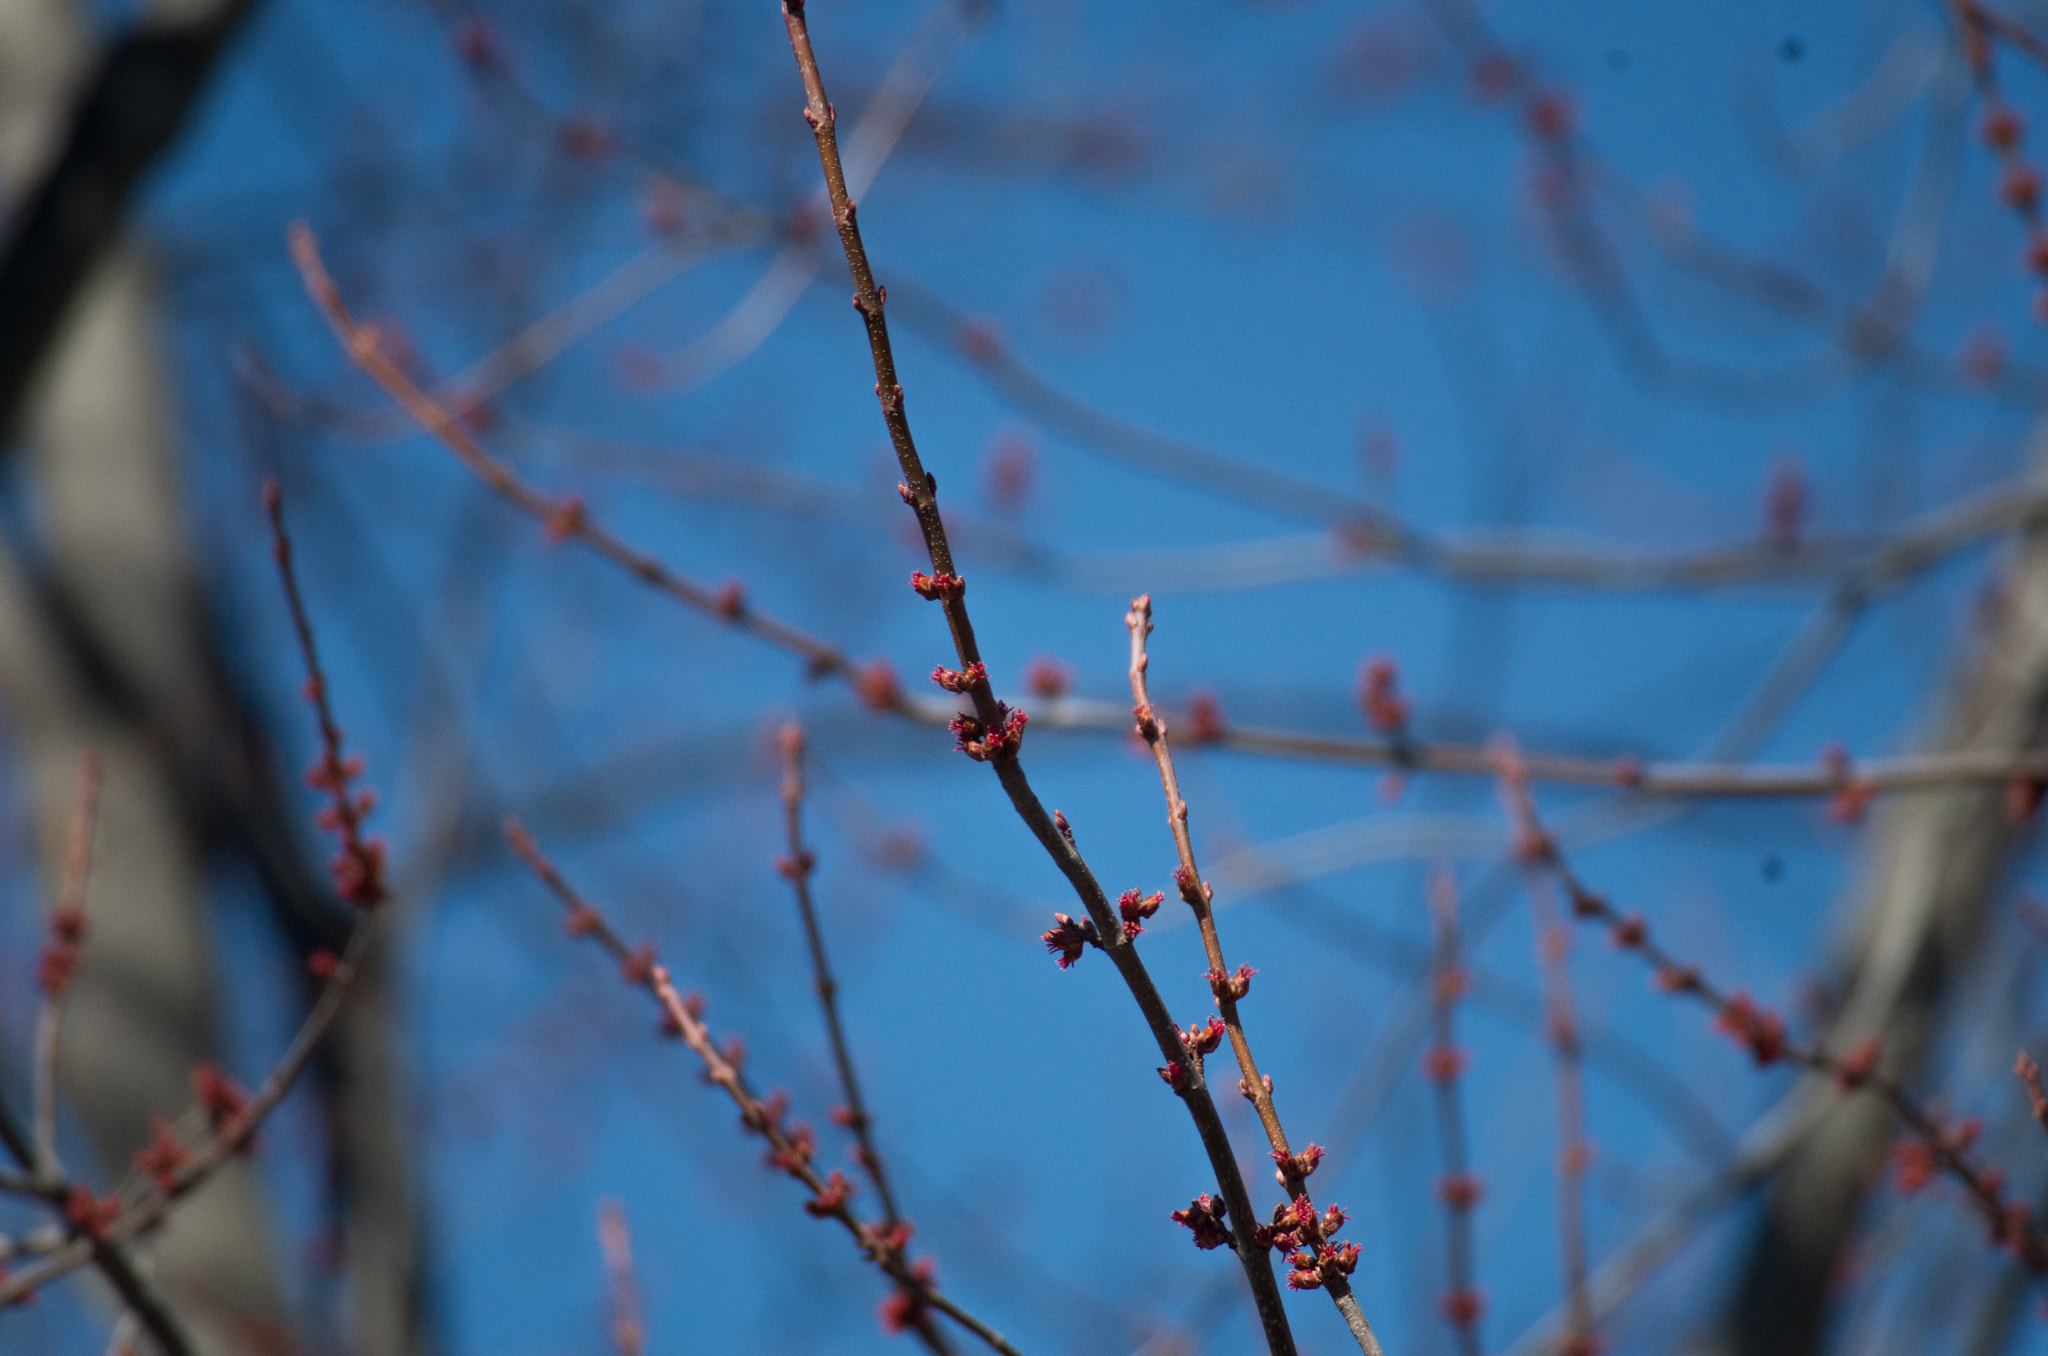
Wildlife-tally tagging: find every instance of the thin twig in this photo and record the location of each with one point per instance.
(1459, 1188)
(790, 1146)
(797, 868)
(1933, 1146)
(67, 924)
(567, 518)
(1553, 951)
(169, 1169)
(993, 732)
(629, 1332)
(1319, 1261)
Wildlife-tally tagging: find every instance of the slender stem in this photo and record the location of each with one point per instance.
(113, 1260)
(1459, 1189)
(68, 927)
(798, 866)
(1199, 896)
(919, 490)
(629, 1332)
(1939, 1145)
(681, 1019)
(568, 519)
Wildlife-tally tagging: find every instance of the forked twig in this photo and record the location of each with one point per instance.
(993, 732)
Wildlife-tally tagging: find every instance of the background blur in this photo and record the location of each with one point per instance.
(1763, 297)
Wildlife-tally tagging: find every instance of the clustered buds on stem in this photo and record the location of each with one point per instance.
(1386, 710)
(1314, 1258)
(1230, 988)
(947, 587)
(985, 744)
(1066, 938)
(223, 1100)
(164, 1156)
(1136, 909)
(961, 680)
(1204, 1216)
(1297, 1167)
(63, 952)
(1748, 1023)
(1203, 1037)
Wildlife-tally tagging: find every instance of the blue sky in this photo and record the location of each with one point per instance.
(1201, 220)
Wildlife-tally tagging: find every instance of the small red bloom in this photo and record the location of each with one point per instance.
(2003, 128)
(1231, 987)
(1204, 1216)
(1385, 709)
(838, 1191)
(1201, 1040)
(164, 1156)
(1914, 1163)
(1754, 1026)
(220, 1097)
(1066, 939)
(961, 680)
(564, 521)
(90, 1215)
(1135, 908)
(936, 587)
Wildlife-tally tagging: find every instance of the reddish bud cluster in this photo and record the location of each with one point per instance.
(567, 519)
(838, 1191)
(1299, 1167)
(357, 867)
(1914, 1163)
(163, 1157)
(936, 587)
(62, 954)
(1205, 718)
(1066, 939)
(905, 1309)
(961, 680)
(1386, 710)
(1193, 890)
(1313, 1258)
(220, 1097)
(1136, 908)
(1203, 1038)
(1550, 116)
(1204, 1216)
(730, 602)
(985, 745)
(90, 1215)
(1444, 1063)
(1230, 988)
(1175, 1075)
(1748, 1023)
(1854, 1069)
